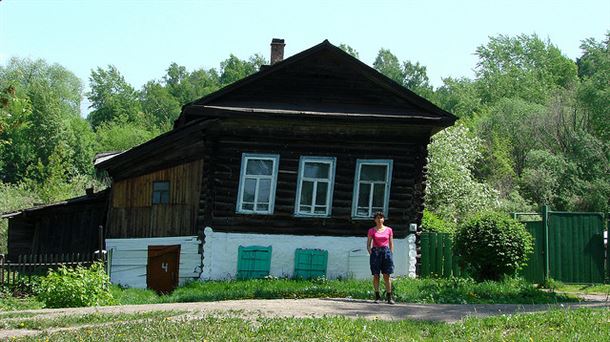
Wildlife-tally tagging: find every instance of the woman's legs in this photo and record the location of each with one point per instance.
(376, 282)
(388, 283)
(388, 288)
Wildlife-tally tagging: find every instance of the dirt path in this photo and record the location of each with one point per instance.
(317, 308)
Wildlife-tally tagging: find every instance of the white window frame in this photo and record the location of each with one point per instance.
(275, 158)
(386, 162)
(332, 161)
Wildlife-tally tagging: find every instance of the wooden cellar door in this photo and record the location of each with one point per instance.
(163, 267)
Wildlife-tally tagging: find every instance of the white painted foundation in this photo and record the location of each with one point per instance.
(347, 256)
(129, 257)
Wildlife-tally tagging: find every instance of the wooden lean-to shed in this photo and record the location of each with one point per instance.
(66, 227)
(289, 164)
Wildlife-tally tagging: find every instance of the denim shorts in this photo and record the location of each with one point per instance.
(381, 261)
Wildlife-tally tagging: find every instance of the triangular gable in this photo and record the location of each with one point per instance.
(325, 80)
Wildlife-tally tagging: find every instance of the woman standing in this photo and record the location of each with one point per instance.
(380, 244)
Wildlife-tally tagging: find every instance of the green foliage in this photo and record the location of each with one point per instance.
(233, 69)
(432, 223)
(594, 90)
(522, 67)
(112, 97)
(493, 245)
(39, 111)
(349, 50)
(76, 287)
(410, 75)
(387, 63)
(121, 135)
(452, 191)
(460, 97)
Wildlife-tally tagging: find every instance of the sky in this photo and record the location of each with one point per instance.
(142, 37)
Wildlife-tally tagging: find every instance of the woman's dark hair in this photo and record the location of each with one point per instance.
(378, 214)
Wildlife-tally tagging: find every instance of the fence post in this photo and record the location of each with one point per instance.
(1, 269)
(545, 224)
(101, 243)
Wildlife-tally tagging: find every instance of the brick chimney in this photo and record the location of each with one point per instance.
(277, 50)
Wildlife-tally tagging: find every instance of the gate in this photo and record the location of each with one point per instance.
(575, 246)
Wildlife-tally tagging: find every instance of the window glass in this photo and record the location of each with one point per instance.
(264, 190)
(316, 170)
(321, 193)
(371, 187)
(160, 193)
(249, 190)
(373, 173)
(306, 192)
(259, 167)
(160, 186)
(257, 184)
(315, 185)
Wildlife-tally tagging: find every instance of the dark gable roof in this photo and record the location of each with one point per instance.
(320, 81)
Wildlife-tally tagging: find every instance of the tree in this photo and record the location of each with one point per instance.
(388, 64)
(594, 91)
(159, 105)
(234, 69)
(349, 50)
(112, 97)
(452, 192)
(460, 97)
(522, 67)
(42, 103)
(416, 79)
(121, 135)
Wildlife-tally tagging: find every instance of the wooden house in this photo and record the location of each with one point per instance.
(276, 174)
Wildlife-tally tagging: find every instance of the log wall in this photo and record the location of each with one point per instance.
(221, 180)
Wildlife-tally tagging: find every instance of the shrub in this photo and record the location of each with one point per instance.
(493, 245)
(432, 223)
(76, 287)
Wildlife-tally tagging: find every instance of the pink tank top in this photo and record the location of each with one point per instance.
(381, 239)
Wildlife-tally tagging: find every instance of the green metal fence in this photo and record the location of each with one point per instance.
(574, 241)
(534, 271)
(437, 258)
(576, 247)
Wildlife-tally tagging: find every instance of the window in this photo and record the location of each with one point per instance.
(315, 186)
(371, 187)
(160, 193)
(256, 194)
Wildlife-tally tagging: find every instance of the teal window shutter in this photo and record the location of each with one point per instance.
(253, 262)
(310, 263)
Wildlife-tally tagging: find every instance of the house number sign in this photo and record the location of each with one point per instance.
(164, 266)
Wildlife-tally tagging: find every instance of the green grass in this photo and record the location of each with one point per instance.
(581, 324)
(10, 303)
(76, 320)
(426, 290)
(603, 289)
(447, 291)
